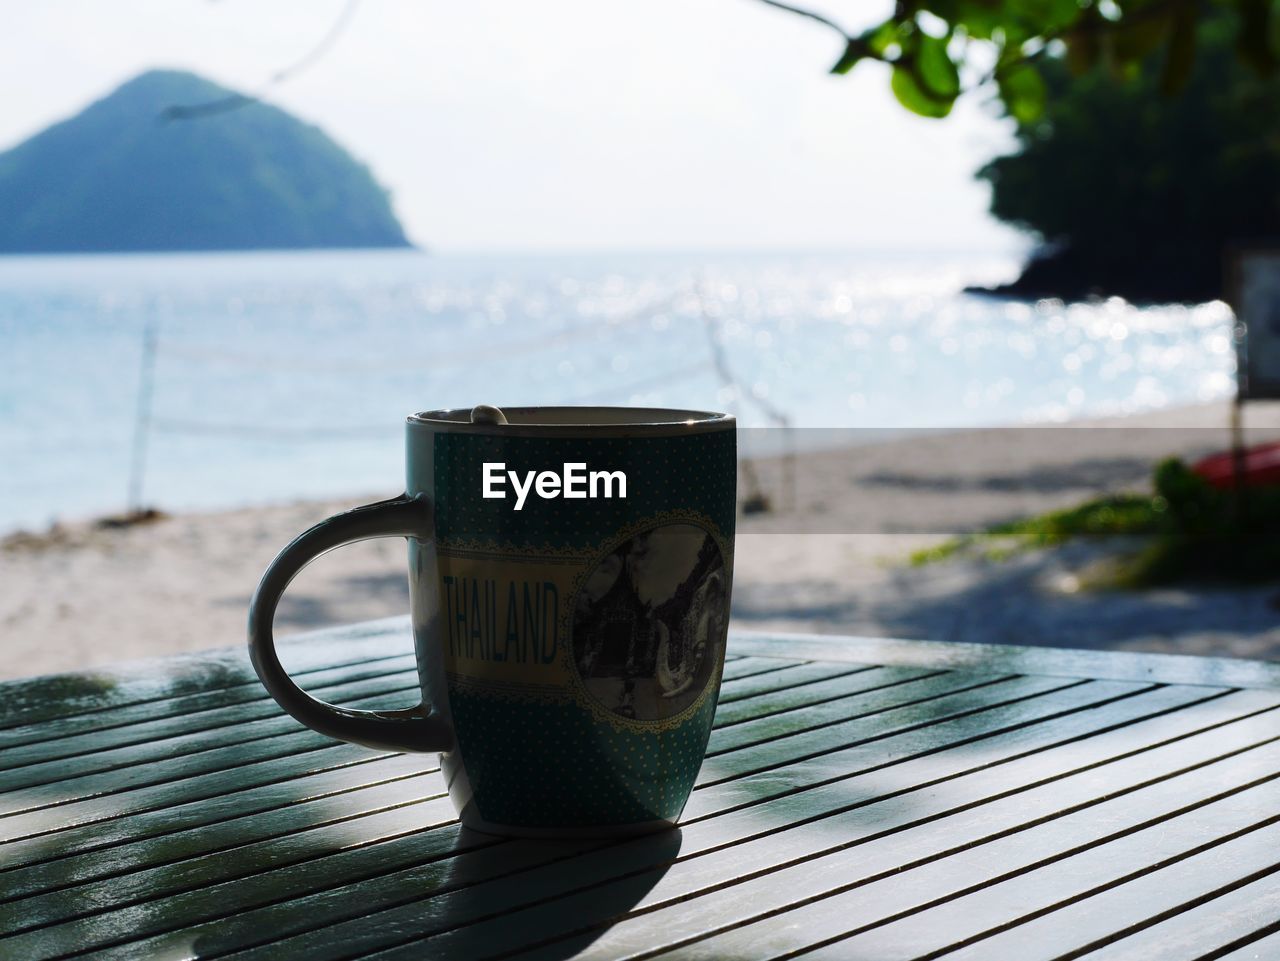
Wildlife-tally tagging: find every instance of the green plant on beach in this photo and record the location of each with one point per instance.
(1192, 531)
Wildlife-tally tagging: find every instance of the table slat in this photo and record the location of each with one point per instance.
(567, 877)
(93, 833)
(199, 829)
(1205, 928)
(867, 844)
(61, 734)
(1266, 948)
(91, 693)
(849, 806)
(379, 927)
(1151, 871)
(22, 768)
(27, 791)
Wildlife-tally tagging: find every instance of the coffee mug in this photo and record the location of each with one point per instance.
(569, 574)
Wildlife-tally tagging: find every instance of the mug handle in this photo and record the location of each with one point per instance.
(410, 729)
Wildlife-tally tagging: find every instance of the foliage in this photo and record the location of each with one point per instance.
(1147, 193)
(1117, 515)
(118, 177)
(932, 44)
(1192, 532)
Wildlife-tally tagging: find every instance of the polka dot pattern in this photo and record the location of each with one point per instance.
(552, 765)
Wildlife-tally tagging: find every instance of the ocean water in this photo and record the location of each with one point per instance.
(285, 375)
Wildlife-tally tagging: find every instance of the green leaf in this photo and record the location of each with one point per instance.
(1047, 16)
(934, 70)
(914, 97)
(1014, 33)
(977, 18)
(1061, 13)
(1022, 90)
(854, 51)
(880, 39)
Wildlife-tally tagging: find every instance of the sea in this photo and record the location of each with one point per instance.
(206, 381)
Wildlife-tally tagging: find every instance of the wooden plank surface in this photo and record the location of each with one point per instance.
(1000, 658)
(859, 800)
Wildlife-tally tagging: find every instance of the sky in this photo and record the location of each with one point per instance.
(500, 125)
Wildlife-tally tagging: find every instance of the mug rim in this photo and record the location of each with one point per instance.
(571, 420)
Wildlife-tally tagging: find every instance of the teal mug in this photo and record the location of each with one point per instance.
(569, 573)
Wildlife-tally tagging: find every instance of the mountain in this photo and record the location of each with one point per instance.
(125, 175)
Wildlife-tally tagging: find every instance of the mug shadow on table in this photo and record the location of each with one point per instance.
(487, 898)
(484, 916)
(416, 889)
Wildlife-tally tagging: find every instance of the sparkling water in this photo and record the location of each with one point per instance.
(285, 375)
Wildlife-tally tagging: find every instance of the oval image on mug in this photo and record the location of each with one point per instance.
(650, 620)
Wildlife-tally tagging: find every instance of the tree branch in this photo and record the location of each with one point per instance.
(305, 62)
(811, 15)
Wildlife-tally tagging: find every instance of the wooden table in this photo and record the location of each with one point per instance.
(861, 799)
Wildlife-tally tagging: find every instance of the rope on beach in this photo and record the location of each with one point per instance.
(266, 431)
(143, 421)
(178, 426)
(755, 501)
(494, 351)
(670, 377)
(716, 364)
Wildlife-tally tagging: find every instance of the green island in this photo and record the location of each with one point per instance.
(134, 172)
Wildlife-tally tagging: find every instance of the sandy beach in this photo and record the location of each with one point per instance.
(830, 558)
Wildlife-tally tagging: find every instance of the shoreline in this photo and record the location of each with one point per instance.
(832, 562)
(1208, 416)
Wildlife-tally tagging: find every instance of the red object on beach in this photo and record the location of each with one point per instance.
(1261, 467)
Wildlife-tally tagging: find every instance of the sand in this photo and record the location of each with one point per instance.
(830, 558)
